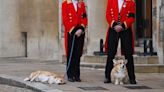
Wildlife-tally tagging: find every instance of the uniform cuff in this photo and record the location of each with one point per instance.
(84, 15)
(123, 26)
(71, 29)
(69, 1)
(114, 24)
(82, 28)
(74, 30)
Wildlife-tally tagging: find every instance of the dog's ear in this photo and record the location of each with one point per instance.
(114, 62)
(126, 61)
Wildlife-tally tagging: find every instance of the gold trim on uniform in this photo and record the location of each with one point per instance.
(84, 28)
(112, 23)
(71, 30)
(128, 0)
(125, 25)
(69, 1)
(70, 14)
(80, 0)
(127, 15)
(82, 25)
(64, 0)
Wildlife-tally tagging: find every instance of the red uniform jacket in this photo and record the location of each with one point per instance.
(127, 16)
(72, 18)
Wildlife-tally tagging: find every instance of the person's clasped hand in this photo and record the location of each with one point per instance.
(118, 28)
(78, 32)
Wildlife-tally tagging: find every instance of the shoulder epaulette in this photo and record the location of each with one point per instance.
(64, 0)
(131, 0)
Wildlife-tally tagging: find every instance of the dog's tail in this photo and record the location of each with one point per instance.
(27, 79)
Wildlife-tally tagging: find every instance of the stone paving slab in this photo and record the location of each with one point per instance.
(7, 88)
(18, 82)
(139, 68)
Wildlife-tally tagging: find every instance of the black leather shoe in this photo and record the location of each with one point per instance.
(107, 81)
(133, 82)
(71, 80)
(77, 79)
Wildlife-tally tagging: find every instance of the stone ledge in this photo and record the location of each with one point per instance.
(137, 59)
(139, 68)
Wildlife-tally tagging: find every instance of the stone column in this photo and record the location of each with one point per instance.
(154, 24)
(62, 57)
(97, 24)
(160, 27)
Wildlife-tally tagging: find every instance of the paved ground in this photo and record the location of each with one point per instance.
(92, 80)
(6, 88)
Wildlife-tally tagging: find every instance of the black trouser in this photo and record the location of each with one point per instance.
(126, 45)
(74, 64)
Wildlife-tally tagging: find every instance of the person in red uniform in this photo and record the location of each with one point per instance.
(120, 15)
(74, 19)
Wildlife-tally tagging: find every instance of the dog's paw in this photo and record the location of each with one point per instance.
(61, 83)
(121, 83)
(116, 82)
(26, 79)
(50, 83)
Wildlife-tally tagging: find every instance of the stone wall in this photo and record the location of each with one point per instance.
(9, 29)
(38, 19)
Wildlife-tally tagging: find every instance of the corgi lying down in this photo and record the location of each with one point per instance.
(46, 77)
(119, 74)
